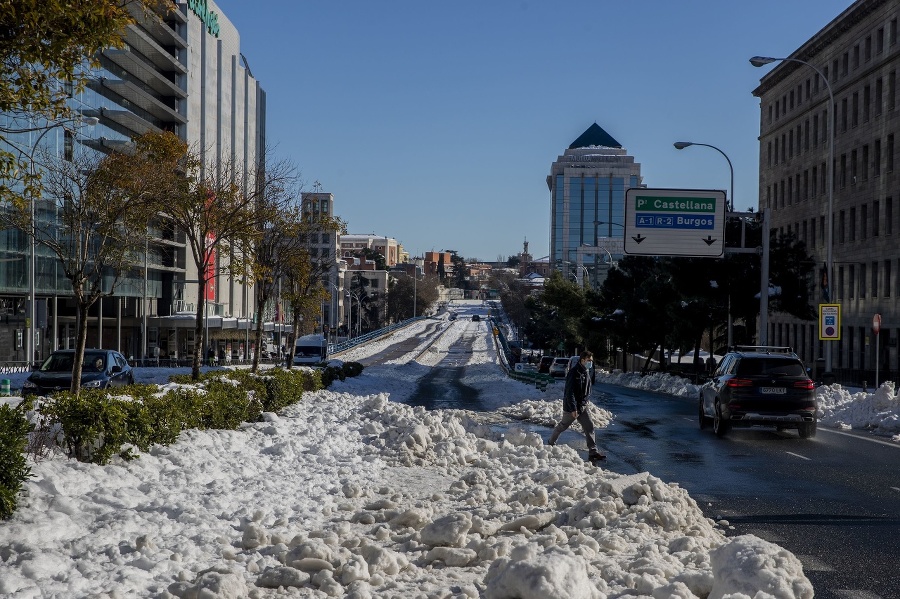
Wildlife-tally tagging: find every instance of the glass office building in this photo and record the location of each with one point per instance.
(587, 204)
(180, 70)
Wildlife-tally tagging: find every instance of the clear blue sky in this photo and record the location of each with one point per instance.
(436, 122)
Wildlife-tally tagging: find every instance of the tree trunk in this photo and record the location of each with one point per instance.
(295, 327)
(261, 298)
(199, 340)
(80, 342)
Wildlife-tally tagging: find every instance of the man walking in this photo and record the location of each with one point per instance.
(575, 404)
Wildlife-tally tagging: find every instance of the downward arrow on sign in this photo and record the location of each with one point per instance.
(639, 239)
(709, 240)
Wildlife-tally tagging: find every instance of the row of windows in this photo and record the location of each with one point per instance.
(852, 351)
(861, 54)
(866, 280)
(871, 223)
(859, 165)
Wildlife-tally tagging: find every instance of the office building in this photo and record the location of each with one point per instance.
(858, 53)
(587, 186)
(181, 71)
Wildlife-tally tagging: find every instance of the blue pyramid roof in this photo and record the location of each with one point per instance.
(595, 136)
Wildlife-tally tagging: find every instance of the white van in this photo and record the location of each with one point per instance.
(310, 349)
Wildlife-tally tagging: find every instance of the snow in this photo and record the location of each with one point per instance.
(351, 493)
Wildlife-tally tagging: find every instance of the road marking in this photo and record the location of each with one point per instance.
(797, 455)
(856, 594)
(879, 441)
(814, 564)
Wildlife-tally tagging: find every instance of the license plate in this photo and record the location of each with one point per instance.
(773, 390)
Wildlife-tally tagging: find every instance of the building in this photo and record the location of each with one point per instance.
(388, 247)
(324, 252)
(182, 71)
(858, 54)
(587, 186)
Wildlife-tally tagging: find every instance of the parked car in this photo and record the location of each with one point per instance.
(544, 365)
(759, 386)
(102, 368)
(476, 318)
(559, 367)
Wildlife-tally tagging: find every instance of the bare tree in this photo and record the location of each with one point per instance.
(93, 220)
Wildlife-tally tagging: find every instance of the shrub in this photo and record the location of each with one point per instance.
(94, 425)
(14, 470)
(352, 368)
(226, 405)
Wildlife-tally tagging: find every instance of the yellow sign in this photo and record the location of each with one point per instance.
(829, 322)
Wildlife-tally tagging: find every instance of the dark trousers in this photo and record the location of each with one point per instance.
(584, 419)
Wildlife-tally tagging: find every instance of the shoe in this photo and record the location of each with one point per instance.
(596, 455)
(551, 444)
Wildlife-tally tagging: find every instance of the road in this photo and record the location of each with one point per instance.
(833, 501)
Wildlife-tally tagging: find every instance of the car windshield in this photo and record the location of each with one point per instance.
(770, 367)
(93, 362)
(58, 363)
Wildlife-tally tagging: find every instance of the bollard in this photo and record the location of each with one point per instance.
(4, 388)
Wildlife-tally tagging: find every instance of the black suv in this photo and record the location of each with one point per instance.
(759, 385)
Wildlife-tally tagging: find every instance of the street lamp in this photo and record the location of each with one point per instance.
(680, 145)
(30, 329)
(334, 307)
(759, 61)
(352, 297)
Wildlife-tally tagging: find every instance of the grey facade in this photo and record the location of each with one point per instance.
(859, 54)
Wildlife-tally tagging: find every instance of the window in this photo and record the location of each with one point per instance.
(840, 283)
(892, 32)
(862, 281)
(806, 135)
(769, 153)
(867, 99)
(807, 89)
(770, 113)
(879, 94)
(864, 166)
(852, 225)
(892, 92)
(812, 233)
(841, 227)
(879, 40)
(815, 131)
(876, 158)
(805, 189)
(889, 216)
(326, 237)
(68, 145)
(867, 49)
(790, 144)
(889, 167)
(874, 280)
(798, 140)
(845, 61)
(887, 278)
(844, 114)
(815, 181)
(776, 151)
(854, 114)
(791, 101)
(864, 221)
(851, 282)
(843, 177)
(876, 207)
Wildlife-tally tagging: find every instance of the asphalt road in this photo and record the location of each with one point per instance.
(833, 501)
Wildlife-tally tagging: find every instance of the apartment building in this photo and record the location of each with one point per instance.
(858, 56)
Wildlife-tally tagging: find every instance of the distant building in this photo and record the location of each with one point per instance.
(858, 53)
(388, 247)
(587, 186)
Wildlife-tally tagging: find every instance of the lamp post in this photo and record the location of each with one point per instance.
(334, 305)
(680, 145)
(32, 301)
(759, 61)
(352, 297)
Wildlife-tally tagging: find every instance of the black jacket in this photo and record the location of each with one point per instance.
(578, 389)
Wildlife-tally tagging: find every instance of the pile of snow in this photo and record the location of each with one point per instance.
(548, 413)
(656, 381)
(878, 412)
(360, 496)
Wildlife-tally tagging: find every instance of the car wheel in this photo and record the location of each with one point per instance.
(720, 425)
(704, 421)
(807, 430)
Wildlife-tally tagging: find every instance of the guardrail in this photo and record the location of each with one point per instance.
(334, 348)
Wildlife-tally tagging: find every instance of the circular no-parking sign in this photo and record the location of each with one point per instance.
(876, 323)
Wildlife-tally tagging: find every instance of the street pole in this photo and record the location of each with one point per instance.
(680, 145)
(759, 61)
